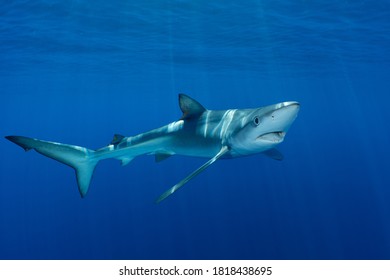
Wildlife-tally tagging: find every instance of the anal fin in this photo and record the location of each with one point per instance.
(125, 160)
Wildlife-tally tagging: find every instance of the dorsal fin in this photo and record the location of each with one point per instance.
(117, 139)
(190, 107)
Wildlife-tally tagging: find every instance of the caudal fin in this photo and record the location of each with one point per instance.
(82, 160)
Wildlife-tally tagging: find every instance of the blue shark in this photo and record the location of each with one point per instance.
(212, 134)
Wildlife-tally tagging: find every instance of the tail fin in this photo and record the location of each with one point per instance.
(81, 159)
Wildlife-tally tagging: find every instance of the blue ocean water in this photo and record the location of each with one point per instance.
(78, 72)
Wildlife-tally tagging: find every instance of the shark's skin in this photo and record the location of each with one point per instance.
(199, 133)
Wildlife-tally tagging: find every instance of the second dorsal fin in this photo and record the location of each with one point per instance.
(190, 107)
(117, 139)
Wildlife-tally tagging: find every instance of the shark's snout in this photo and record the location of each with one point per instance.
(277, 122)
(290, 108)
(290, 103)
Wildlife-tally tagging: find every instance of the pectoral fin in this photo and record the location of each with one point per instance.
(160, 157)
(274, 154)
(223, 151)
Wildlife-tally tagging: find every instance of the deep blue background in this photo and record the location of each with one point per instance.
(79, 71)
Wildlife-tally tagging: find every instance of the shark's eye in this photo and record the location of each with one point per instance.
(256, 121)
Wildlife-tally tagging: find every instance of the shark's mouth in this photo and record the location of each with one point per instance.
(274, 137)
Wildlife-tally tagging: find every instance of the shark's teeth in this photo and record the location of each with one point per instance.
(275, 137)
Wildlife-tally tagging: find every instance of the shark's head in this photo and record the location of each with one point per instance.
(262, 128)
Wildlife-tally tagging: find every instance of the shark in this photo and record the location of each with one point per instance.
(211, 134)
